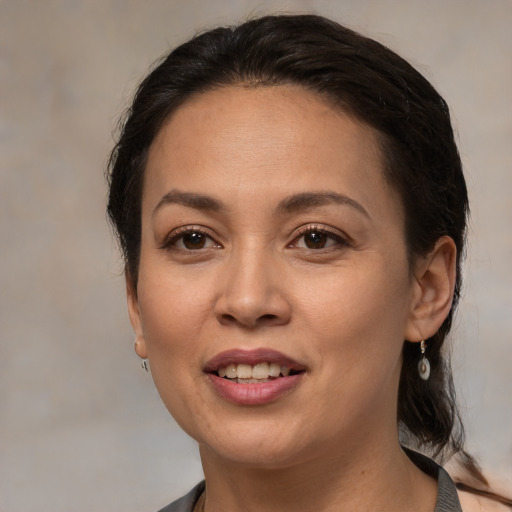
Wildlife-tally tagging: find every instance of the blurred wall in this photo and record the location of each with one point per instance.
(81, 427)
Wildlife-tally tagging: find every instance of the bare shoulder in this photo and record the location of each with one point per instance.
(472, 503)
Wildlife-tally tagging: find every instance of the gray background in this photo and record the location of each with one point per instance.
(81, 427)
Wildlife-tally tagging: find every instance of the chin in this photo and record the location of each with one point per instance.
(255, 455)
(256, 444)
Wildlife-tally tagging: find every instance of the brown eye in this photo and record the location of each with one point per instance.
(190, 240)
(194, 240)
(319, 238)
(315, 239)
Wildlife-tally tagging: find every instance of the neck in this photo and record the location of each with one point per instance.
(363, 478)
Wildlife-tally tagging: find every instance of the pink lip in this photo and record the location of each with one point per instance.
(254, 393)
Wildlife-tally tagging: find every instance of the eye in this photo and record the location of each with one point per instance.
(315, 237)
(190, 239)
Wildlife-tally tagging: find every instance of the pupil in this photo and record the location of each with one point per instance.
(315, 240)
(194, 240)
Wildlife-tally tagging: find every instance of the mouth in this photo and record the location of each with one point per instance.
(253, 366)
(254, 374)
(253, 377)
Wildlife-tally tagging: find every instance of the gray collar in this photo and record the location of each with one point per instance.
(447, 498)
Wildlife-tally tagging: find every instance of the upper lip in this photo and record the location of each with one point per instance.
(251, 357)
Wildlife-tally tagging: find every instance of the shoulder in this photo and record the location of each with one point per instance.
(472, 503)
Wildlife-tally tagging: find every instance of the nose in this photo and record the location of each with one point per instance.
(252, 293)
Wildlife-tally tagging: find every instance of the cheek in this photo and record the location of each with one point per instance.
(174, 313)
(366, 310)
(174, 310)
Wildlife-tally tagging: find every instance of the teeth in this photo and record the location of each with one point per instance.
(274, 370)
(231, 372)
(248, 374)
(244, 371)
(260, 371)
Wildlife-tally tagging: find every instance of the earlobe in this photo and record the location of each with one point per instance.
(434, 283)
(135, 320)
(140, 348)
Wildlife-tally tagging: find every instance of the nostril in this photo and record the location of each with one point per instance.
(267, 319)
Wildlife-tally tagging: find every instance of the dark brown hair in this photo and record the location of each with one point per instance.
(374, 85)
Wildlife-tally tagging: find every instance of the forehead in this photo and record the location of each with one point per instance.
(282, 139)
(272, 113)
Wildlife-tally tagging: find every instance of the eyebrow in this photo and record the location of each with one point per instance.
(307, 200)
(191, 200)
(293, 204)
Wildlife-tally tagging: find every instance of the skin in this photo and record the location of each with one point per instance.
(342, 310)
(471, 503)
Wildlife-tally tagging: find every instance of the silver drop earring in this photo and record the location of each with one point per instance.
(424, 364)
(145, 365)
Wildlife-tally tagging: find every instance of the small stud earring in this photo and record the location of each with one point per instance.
(424, 364)
(145, 365)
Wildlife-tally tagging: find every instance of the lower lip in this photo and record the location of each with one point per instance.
(254, 394)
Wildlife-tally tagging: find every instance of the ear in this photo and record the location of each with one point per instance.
(135, 320)
(434, 283)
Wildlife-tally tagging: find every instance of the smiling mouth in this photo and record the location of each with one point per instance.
(254, 374)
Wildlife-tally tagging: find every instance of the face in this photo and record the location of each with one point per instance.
(274, 292)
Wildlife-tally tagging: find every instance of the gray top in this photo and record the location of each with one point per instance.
(447, 498)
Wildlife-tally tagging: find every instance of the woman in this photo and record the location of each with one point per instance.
(291, 207)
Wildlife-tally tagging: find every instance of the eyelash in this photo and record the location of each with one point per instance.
(338, 238)
(179, 234)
